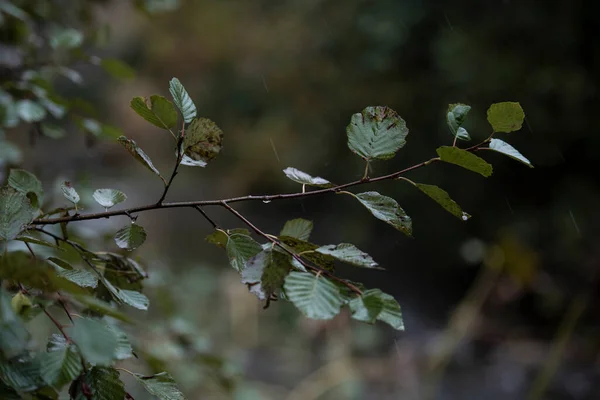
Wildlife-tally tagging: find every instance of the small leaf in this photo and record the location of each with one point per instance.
(15, 213)
(39, 242)
(161, 385)
(297, 228)
(130, 237)
(107, 198)
(53, 131)
(315, 296)
(265, 273)
(132, 298)
(60, 367)
(100, 384)
(240, 248)
(69, 192)
(80, 277)
(376, 305)
(506, 149)
(101, 307)
(182, 100)
(457, 113)
(68, 38)
(305, 179)
(218, 238)
(308, 252)
(161, 112)
(13, 334)
(138, 154)
(465, 159)
(506, 117)
(444, 200)
(96, 343)
(350, 254)
(117, 68)
(202, 141)
(376, 133)
(20, 302)
(386, 209)
(26, 182)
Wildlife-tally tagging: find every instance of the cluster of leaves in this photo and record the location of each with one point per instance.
(40, 45)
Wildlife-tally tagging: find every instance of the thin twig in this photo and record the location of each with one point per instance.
(58, 325)
(179, 141)
(277, 243)
(213, 223)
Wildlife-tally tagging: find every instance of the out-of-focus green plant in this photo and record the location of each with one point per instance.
(93, 288)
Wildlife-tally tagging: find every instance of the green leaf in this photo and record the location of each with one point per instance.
(182, 100)
(376, 133)
(444, 200)
(265, 273)
(240, 248)
(60, 367)
(108, 198)
(161, 112)
(30, 111)
(305, 179)
(20, 303)
(465, 159)
(218, 238)
(350, 254)
(16, 213)
(69, 192)
(202, 142)
(308, 252)
(22, 374)
(130, 237)
(457, 113)
(80, 277)
(53, 131)
(506, 149)
(117, 68)
(59, 262)
(315, 296)
(96, 343)
(101, 307)
(124, 350)
(103, 383)
(13, 335)
(39, 242)
(68, 38)
(138, 154)
(386, 209)
(161, 385)
(26, 182)
(297, 228)
(506, 117)
(375, 305)
(132, 298)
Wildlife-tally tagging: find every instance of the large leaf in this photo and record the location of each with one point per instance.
(161, 385)
(376, 305)
(302, 177)
(240, 248)
(160, 113)
(443, 199)
(457, 113)
(69, 192)
(96, 343)
(103, 383)
(350, 254)
(297, 228)
(16, 213)
(125, 296)
(80, 277)
(376, 133)
(315, 296)
(124, 350)
(465, 159)
(13, 335)
(386, 209)
(506, 149)
(182, 100)
(265, 273)
(130, 237)
(202, 141)
(23, 374)
(109, 197)
(26, 182)
(506, 117)
(138, 154)
(308, 252)
(61, 366)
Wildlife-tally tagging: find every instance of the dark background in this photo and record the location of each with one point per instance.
(502, 306)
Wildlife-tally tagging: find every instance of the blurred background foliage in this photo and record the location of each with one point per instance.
(503, 306)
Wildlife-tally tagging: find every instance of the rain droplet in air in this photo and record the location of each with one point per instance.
(266, 201)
